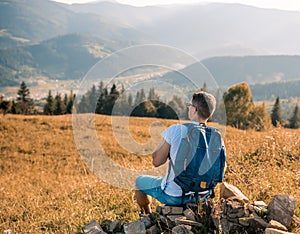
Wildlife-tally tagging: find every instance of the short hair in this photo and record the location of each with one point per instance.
(205, 104)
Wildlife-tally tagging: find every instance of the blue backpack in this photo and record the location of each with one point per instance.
(200, 160)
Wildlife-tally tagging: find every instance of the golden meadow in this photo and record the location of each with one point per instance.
(45, 187)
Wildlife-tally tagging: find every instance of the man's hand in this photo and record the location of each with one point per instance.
(161, 154)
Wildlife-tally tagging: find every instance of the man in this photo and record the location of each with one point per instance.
(164, 189)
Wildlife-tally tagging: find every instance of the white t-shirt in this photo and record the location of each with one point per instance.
(173, 135)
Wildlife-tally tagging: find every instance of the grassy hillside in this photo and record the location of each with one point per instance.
(46, 188)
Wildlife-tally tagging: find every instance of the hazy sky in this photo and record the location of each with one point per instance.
(279, 4)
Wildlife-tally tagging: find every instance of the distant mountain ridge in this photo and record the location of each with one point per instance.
(41, 38)
(32, 21)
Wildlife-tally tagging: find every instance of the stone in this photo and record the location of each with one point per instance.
(93, 227)
(276, 225)
(228, 190)
(135, 227)
(189, 214)
(115, 226)
(257, 222)
(181, 229)
(275, 231)
(105, 225)
(282, 209)
(260, 204)
(172, 210)
(167, 222)
(185, 221)
(147, 221)
(173, 217)
(153, 230)
(159, 209)
(234, 207)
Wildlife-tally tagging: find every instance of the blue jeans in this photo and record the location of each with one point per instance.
(151, 185)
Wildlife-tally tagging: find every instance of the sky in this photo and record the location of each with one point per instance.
(276, 4)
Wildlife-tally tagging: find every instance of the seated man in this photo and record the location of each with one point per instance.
(165, 189)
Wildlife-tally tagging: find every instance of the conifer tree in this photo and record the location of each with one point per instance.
(50, 105)
(59, 108)
(294, 121)
(92, 99)
(130, 100)
(276, 113)
(70, 104)
(83, 105)
(24, 101)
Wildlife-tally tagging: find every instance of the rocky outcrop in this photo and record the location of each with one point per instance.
(232, 213)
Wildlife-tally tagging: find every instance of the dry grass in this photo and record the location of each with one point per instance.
(46, 188)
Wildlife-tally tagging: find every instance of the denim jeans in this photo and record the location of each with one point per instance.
(151, 185)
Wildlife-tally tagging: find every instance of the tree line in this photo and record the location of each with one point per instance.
(241, 112)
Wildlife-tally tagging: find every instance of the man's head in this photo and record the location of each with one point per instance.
(205, 104)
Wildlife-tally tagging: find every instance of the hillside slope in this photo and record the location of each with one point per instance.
(46, 187)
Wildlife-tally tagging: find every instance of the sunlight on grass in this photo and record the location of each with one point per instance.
(45, 187)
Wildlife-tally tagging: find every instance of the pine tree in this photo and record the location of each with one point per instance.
(24, 101)
(49, 106)
(152, 95)
(276, 113)
(70, 104)
(83, 105)
(59, 108)
(294, 121)
(92, 99)
(130, 100)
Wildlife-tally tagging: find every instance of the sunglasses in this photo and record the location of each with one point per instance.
(189, 104)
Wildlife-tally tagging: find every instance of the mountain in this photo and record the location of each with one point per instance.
(208, 30)
(253, 69)
(48, 41)
(32, 21)
(66, 57)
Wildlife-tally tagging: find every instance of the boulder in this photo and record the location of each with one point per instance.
(135, 227)
(228, 190)
(282, 209)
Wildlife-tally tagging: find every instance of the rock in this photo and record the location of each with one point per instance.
(93, 227)
(282, 208)
(185, 221)
(153, 230)
(173, 210)
(228, 190)
(147, 221)
(159, 209)
(167, 222)
(234, 207)
(276, 231)
(105, 225)
(135, 227)
(260, 204)
(277, 225)
(173, 217)
(115, 226)
(189, 214)
(257, 222)
(181, 229)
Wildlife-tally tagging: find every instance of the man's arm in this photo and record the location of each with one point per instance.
(161, 154)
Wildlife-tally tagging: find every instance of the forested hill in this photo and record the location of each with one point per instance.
(230, 70)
